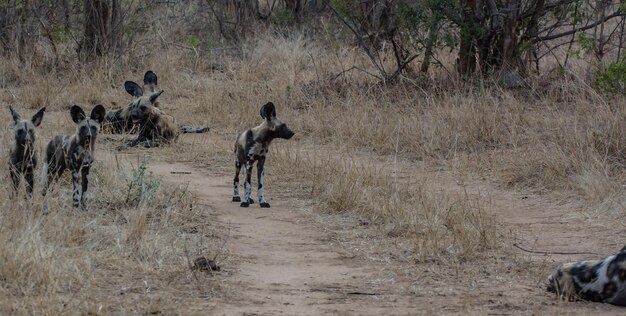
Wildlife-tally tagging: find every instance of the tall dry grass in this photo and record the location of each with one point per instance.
(557, 137)
(440, 225)
(128, 252)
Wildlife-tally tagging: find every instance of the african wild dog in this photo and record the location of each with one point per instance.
(252, 145)
(155, 127)
(121, 120)
(75, 152)
(592, 280)
(23, 158)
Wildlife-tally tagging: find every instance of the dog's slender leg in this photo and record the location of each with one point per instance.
(45, 179)
(15, 177)
(260, 170)
(247, 185)
(28, 175)
(75, 189)
(84, 185)
(236, 197)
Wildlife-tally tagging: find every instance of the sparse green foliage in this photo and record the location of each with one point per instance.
(613, 79)
(585, 42)
(142, 186)
(192, 41)
(60, 33)
(282, 17)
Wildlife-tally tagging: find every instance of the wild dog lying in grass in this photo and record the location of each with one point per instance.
(75, 152)
(155, 127)
(124, 119)
(252, 145)
(592, 280)
(23, 158)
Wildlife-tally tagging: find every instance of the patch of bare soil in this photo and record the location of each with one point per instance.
(286, 262)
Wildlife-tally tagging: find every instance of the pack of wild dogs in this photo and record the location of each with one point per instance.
(152, 126)
(594, 280)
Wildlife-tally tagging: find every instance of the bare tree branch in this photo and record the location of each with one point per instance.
(573, 31)
(360, 39)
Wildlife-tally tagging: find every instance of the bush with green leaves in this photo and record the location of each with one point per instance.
(613, 79)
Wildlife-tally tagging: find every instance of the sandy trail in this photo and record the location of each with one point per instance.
(286, 264)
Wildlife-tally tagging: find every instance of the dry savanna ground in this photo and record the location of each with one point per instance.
(425, 189)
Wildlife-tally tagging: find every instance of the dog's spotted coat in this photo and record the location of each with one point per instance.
(252, 146)
(75, 152)
(592, 280)
(144, 115)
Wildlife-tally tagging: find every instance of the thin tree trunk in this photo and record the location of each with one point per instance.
(466, 62)
(428, 47)
(115, 39)
(23, 47)
(96, 34)
(296, 7)
(509, 66)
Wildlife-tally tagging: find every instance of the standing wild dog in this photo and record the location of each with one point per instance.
(23, 155)
(75, 152)
(122, 121)
(252, 145)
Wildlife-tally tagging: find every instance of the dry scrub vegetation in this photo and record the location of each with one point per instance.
(556, 137)
(126, 254)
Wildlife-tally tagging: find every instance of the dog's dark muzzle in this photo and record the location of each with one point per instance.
(136, 118)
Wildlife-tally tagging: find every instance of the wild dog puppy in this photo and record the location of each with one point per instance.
(592, 280)
(121, 120)
(23, 157)
(75, 152)
(252, 145)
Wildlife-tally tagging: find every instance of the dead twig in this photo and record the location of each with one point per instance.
(354, 68)
(362, 293)
(554, 252)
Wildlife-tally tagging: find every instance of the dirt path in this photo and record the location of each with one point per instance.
(285, 264)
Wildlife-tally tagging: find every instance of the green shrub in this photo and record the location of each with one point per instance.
(613, 79)
(142, 187)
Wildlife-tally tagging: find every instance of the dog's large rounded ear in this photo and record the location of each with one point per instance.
(98, 113)
(16, 116)
(133, 89)
(38, 117)
(150, 78)
(77, 113)
(154, 96)
(268, 111)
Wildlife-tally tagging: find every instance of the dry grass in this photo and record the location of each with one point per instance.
(444, 226)
(131, 246)
(558, 137)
